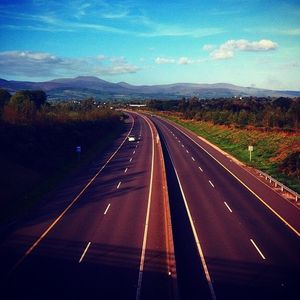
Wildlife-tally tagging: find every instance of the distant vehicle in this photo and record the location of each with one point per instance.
(131, 138)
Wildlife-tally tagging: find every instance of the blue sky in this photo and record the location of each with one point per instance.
(249, 43)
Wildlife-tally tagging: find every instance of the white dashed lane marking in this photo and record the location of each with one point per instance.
(228, 207)
(107, 208)
(84, 252)
(257, 249)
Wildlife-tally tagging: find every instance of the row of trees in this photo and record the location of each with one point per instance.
(259, 112)
(28, 107)
(29, 126)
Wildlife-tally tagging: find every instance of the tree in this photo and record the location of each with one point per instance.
(294, 112)
(283, 103)
(243, 118)
(20, 108)
(38, 97)
(88, 104)
(4, 98)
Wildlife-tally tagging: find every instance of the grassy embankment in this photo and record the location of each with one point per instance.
(35, 158)
(271, 148)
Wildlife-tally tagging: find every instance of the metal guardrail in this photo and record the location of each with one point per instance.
(279, 184)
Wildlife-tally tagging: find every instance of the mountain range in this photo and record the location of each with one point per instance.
(87, 86)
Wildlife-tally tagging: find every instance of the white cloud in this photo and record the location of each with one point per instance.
(163, 60)
(184, 61)
(118, 69)
(29, 55)
(42, 64)
(222, 54)
(208, 47)
(159, 30)
(292, 31)
(281, 31)
(228, 49)
(244, 45)
(113, 15)
(85, 17)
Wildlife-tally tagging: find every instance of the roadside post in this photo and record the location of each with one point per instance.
(250, 149)
(78, 151)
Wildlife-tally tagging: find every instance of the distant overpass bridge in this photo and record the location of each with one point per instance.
(137, 105)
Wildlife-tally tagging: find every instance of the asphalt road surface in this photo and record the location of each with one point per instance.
(228, 243)
(102, 235)
(110, 231)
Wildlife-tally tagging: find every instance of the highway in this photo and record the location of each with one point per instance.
(228, 243)
(104, 234)
(166, 216)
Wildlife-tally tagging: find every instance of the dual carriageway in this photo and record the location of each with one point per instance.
(166, 216)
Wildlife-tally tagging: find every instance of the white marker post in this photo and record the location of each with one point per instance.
(250, 149)
(78, 151)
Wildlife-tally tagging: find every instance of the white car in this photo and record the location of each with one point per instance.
(131, 138)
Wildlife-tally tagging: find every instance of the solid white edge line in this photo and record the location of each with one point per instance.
(228, 207)
(258, 250)
(141, 269)
(34, 245)
(211, 184)
(107, 208)
(200, 251)
(119, 184)
(84, 252)
(240, 181)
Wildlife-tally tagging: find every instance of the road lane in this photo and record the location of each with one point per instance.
(236, 267)
(103, 230)
(283, 209)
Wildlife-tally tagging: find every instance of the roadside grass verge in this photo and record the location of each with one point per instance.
(270, 147)
(23, 184)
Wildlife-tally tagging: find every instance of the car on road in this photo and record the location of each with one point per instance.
(131, 138)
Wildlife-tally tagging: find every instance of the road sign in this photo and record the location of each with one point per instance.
(78, 149)
(250, 149)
